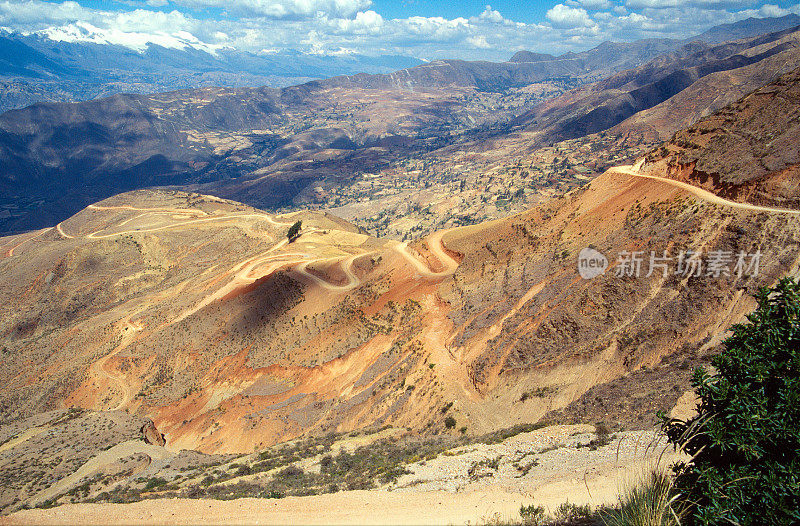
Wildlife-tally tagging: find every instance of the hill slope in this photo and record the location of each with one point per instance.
(200, 315)
(230, 338)
(270, 148)
(740, 152)
(602, 105)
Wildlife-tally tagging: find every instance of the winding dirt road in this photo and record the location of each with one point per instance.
(346, 266)
(699, 192)
(163, 210)
(242, 275)
(99, 367)
(97, 235)
(61, 231)
(436, 247)
(37, 234)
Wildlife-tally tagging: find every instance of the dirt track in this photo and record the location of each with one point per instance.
(699, 192)
(10, 252)
(99, 367)
(352, 507)
(436, 247)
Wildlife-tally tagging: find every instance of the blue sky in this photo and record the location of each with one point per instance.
(467, 29)
(518, 11)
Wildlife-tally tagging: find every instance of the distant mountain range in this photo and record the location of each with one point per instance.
(748, 28)
(270, 147)
(602, 105)
(36, 68)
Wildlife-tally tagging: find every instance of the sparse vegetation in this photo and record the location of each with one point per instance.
(603, 437)
(499, 436)
(533, 515)
(649, 501)
(154, 482)
(569, 513)
(483, 468)
(524, 466)
(539, 392)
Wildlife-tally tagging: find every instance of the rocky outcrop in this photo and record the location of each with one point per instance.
(151, 435)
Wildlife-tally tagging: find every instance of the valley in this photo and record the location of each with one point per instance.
(346, 141)
(363, 295)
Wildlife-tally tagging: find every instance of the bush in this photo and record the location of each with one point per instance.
(532, 515)
(603, 437)
(294, 231)
(450, 422)
(745, 440)
(154, 483)
(570, 513)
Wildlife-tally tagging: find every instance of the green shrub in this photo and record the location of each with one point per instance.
(533, 515)
(154, 483)
(450, 422)
(570, 513)
(294, 231)
(745, 440)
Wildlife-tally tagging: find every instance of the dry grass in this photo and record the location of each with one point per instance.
(649, 500)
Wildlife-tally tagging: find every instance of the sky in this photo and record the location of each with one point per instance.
(428, 30)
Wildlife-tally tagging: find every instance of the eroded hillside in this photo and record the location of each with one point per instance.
(202, 316)
(748, 151)
(230, 337)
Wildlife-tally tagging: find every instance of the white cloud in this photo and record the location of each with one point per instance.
(491, 15)
(433, 28)
(366, 22)
(34, 11)
(768, 10)
(569, 17)
(284, 9)
(705, 4)
(596, 5)
(349, 26)
(478, 42)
